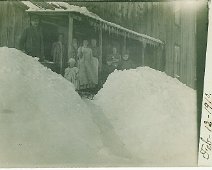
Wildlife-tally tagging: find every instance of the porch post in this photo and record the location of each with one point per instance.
(155, 58)
(100, 49)
(125, 45)
(159, 57)
(70, 35)
(143, 52)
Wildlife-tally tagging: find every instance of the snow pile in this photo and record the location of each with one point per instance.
(153, 114)
(43, 121)
(141, 118)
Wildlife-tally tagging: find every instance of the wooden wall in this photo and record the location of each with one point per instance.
(13, 20)
(156, 19)
(188, 46)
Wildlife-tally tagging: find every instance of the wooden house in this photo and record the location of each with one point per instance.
(159, 34)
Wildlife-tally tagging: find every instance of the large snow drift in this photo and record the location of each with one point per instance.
(141, 117)
(43, 121)
(154, 115)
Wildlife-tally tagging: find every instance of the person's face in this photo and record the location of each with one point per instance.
(35, 22)
(71, 64)
(125, 57)
(85, 43)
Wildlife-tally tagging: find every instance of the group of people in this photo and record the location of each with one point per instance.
(84, 68)
(116, 61)
(83, 65)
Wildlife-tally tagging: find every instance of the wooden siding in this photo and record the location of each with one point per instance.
(13, 21)
(156, 19)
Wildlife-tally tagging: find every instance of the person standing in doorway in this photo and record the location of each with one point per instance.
(87, 75)
(58, 53)
(112, 63)
(95, 49)
(126, 62)
(96, 59)
(113, 60)
(31, 41)
(74, 51)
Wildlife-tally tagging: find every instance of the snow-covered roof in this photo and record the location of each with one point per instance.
(68, 8)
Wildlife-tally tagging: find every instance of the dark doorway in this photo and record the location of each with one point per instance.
(50, 33)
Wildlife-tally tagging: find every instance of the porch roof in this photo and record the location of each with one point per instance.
(66, 8)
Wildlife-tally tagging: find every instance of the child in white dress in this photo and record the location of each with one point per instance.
(71, 73)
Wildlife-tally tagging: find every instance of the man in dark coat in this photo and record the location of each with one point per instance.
(31, 41)
(113, 60)
(112, 63)
(58, 54)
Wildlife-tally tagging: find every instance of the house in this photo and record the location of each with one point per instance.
(161, 35)
(174, 23)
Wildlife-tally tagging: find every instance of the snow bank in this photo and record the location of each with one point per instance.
(143, 118)
(43, 121)
(154, 115)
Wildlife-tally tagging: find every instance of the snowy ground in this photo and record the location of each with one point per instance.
(140, 118)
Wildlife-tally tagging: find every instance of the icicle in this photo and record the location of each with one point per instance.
(145, 41)
(112, 30)
(90, 23)
(95, 27)
(98, 25)
(103, 26)
(149, 42)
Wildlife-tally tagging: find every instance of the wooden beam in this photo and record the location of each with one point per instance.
(70, 36)
(157, 57)
(124, 45)
(143, 53)
(100, 49)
